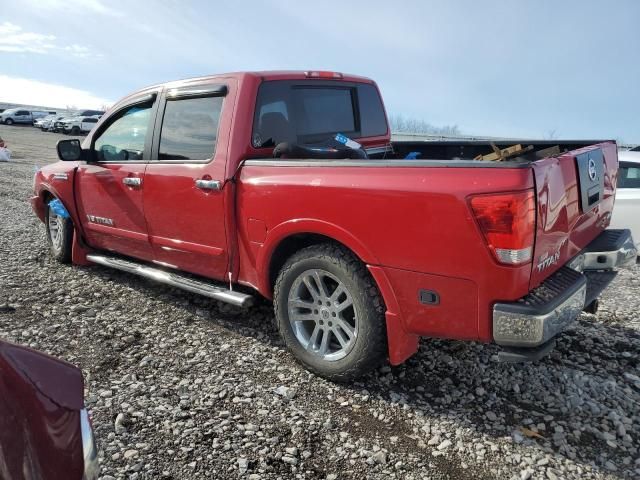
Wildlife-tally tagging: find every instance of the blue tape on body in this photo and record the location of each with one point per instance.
(57, 207)
(412, 155)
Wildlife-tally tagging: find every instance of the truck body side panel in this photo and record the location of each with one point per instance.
(415, 220)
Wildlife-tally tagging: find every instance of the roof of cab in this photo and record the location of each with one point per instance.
(263, 75)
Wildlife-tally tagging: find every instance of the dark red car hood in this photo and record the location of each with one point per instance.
(57, 380)
(40, 403)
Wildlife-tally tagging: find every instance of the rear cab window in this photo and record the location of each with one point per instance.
(311, 112)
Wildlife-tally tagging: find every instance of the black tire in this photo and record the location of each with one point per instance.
(369, 347)
(60, 247)
(75, 131)
(8, 121)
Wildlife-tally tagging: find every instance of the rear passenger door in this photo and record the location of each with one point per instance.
(184, 199)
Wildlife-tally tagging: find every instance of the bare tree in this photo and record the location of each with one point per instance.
(551, 134)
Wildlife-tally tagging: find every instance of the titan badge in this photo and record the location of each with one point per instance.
(548, 259)
(100, 220)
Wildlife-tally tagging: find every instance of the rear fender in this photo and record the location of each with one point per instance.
(304, 226)
(401, 345)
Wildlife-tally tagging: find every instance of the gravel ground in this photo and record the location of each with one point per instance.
(184, 387)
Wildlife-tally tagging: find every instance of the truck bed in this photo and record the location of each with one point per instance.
(469, 149)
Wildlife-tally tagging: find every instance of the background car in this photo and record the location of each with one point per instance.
(57, 125)
(38, 122)
(626, 212)
(16, 115)
(38, 114)
(78, 125)
(45, 429)
(47, 122)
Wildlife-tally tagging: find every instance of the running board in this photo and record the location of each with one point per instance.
(175, 280)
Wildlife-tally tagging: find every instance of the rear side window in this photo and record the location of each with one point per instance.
(312, 112)
(629, 176)
(190, 128)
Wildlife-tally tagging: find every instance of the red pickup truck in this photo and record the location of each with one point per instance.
(288, 184)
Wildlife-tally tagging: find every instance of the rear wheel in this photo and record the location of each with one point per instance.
(59, 236)
(75, 131)
(330, 313)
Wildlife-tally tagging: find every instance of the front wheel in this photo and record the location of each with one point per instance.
(329, 313)
(59, 236)
(8, 121)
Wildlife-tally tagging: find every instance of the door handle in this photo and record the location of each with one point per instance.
(132, 181)
(208, 184)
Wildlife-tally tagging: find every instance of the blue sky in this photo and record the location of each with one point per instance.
(504, 68)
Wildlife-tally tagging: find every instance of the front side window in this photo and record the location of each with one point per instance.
(190, 128)
(629, 176)
(124, 138)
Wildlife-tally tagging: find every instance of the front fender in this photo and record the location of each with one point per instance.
(58, 180)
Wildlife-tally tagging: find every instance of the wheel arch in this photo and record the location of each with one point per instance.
(401, 345)
(289, 237)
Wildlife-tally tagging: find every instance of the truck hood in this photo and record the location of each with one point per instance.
(57, 380)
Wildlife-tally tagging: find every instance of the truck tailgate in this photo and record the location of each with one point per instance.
(575, 193)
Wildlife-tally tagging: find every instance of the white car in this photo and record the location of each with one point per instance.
(47, 122)
(626, 212)
(42, 122)
(79, 125)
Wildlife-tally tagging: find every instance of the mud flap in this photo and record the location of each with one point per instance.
(79, 250)
(401, 345)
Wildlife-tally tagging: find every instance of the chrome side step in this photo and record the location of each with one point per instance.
(175, 280)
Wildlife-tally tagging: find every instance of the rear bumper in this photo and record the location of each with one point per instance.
(536, 318)
(611, 249)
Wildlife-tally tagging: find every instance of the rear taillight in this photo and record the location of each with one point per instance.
(508, 222)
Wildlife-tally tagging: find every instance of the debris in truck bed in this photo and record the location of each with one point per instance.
(549, 152)
(499, 155)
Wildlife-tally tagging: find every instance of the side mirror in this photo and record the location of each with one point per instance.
(69, 150)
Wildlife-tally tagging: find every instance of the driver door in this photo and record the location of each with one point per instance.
(109, 186)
